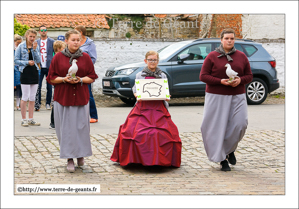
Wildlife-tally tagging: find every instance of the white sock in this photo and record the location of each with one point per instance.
(30, 119)
(18, 102)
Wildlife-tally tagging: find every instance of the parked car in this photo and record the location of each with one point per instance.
(182, 62)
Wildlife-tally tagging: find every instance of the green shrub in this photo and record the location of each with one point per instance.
(128, 35)
(19, 28)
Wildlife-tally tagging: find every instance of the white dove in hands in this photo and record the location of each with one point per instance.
(230, 73)
(73, 70)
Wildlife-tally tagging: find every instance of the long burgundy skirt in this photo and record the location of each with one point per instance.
(148, 137)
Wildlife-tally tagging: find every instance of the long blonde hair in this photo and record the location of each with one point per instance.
(27, 33)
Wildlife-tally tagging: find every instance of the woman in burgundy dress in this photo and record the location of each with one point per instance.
(148, 136)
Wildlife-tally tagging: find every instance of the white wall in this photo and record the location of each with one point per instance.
(113, 53)
(263, 26)
(278, 52)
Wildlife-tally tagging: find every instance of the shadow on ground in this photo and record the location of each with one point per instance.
(141, 169)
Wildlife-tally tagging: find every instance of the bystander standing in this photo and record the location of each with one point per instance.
(46, 50)
(87, 45)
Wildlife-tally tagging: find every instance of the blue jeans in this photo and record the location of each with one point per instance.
(92, 105)
(44, 73)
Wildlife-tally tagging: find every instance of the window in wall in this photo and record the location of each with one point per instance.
(90, 33)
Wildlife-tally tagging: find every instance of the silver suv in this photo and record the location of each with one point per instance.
(182, 62)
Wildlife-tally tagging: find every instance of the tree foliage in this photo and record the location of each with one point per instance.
(19, 28)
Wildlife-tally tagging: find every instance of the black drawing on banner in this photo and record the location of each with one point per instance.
(153, 89)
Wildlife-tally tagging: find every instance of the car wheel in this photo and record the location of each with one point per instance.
(256, 91)
(130, 101)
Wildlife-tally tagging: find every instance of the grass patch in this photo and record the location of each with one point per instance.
(278, 96)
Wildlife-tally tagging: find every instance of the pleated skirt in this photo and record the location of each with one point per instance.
(225, 121)
(73, 130)
(148, 137)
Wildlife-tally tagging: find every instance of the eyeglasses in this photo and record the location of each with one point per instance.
(150, 60)
(43, 30)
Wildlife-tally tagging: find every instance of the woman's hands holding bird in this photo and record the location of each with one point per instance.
(233, 83)
(72, 81)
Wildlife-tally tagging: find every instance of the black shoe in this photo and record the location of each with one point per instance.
(225, 166)
(52, 126)
(232, 158)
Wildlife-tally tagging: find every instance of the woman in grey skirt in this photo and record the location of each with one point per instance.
(71, 97)
(225, 110)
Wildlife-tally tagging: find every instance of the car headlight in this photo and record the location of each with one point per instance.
(127, 71)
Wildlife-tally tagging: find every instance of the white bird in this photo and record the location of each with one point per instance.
(230, 72)
(73, 69)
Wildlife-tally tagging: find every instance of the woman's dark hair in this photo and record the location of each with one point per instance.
(82, 29)
(42, 26)
(226, 31)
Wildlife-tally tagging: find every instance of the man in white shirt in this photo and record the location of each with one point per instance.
(46, 50)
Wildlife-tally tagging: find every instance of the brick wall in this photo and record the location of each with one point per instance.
(222, 21)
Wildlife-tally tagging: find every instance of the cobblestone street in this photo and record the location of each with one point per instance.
(260, 168)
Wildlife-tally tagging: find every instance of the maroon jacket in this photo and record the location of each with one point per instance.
(68, 94)
(213, 70)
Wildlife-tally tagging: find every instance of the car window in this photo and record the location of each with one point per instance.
(249, 49)
(197, 52)
(239, 47)
(170, 49)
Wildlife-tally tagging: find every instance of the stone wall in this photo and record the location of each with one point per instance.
(266, 28)
(205, 21)
(154, 28)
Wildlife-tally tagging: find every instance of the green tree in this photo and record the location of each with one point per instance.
(19, 28)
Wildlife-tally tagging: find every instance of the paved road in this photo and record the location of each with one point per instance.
(260, 168)
(187, 119)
